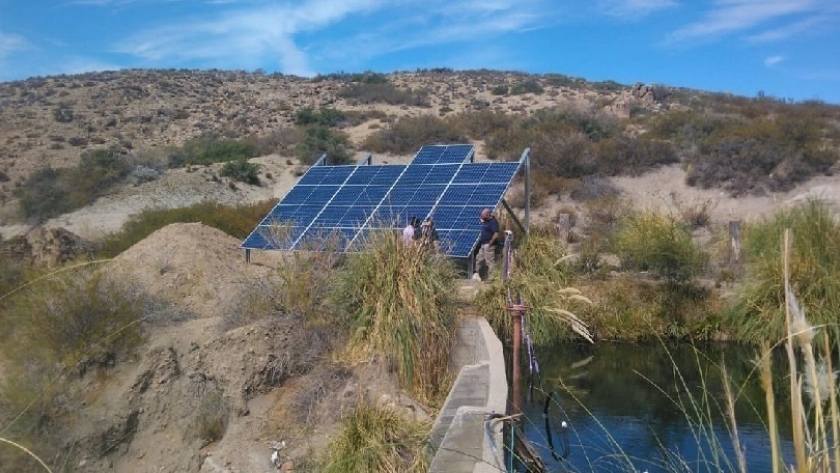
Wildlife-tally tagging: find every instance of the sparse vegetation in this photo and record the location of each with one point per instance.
(319, 140)
(211, 148)
(242, 171)
(383, 92)
(380, 439)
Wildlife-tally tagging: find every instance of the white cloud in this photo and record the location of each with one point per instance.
(773, 60)
(633, 9)
(727, 16)
(12, 42)
(245, 35)
(808, 25)
(79, 65)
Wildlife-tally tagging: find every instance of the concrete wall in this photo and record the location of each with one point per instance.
(463, 440)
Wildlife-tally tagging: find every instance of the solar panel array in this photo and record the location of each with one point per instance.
(340, 207)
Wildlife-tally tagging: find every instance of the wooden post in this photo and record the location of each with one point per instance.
(734, 243)
(516, 406)
(564, 227)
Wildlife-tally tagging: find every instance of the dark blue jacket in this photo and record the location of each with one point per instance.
(488, 228)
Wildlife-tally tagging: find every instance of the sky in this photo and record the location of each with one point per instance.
(788, 49)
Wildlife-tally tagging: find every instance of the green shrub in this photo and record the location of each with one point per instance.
(77, 319)
(49, 192)
(408, 134)
(501, 89)
(377, 438)
(399, 305)
(319, 140)
(661, 244)
(211, 412)
(329, 117)
(383, 92)
(210, 148)
(242, 171)
(4, 177)
(758, 312)
(237, 221)
(530, 86)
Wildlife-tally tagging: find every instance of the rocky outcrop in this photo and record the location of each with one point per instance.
(50, 246)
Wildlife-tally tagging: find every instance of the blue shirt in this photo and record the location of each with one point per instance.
(488, 228)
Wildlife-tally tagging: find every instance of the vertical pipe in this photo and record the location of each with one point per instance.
(527, 163)
(516, 405)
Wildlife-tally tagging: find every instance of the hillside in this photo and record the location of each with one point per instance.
(81, 155)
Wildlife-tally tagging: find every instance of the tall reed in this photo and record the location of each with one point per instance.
(399, 303)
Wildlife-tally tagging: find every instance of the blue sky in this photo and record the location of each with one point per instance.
(785, 48)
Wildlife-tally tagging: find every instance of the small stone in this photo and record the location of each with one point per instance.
(287, 466)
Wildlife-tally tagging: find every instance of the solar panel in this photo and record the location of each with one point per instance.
(443, 154)
(343, 208)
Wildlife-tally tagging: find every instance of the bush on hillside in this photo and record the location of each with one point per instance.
(319, 140)
(242, 171)
(211, 148)
(530, 86)
(384, 92)
(49, 192)
(408, 134)
(329, 117)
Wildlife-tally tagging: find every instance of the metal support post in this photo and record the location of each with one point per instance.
(516, 406)
(526, 157)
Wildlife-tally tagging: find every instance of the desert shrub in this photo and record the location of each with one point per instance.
(758, 312)
(78, 318)
(408, 134)
(661, 244)
(211, 410)
(63, 113)
(398, 304)
(4, 177)
(324, 117)
(625, 155)
(501, 89)
(49, 192)
(319, 140)
(540, 278)
(280, 141)
(211, 148)
(530, 86)
(242, 171)
(592, 188)
(237, 221)
(376, 438)
(383, 92)
(480, 124)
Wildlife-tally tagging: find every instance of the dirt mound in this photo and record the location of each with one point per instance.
(194, 267)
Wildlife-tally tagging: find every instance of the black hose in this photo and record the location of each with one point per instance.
(564, 431)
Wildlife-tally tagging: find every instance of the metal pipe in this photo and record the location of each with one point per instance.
(526, 157)
(516, 402)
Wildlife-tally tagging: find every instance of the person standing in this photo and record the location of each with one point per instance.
(409, 231)
(487, 242)
(429, 236)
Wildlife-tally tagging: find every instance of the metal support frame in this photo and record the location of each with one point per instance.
(526, 161)
(367, 160)
(513, 216)
(322, 161)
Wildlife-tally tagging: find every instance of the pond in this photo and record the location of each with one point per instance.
(654, 408)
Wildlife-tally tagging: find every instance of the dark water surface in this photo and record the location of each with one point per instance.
(647, 407)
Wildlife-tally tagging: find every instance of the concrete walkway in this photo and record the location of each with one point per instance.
(463, 440)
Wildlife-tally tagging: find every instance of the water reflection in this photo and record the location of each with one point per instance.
(637, 407)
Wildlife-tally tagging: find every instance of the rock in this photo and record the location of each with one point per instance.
(287, 466)
(50, 246)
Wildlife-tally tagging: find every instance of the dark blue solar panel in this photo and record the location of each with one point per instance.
(413, 176)
(458, 243)
(426, 195)
(321, 195)
(332, 204)
(372, 195)
(441, 174)
(337, 175)
(347, 195)
(428, 155)
(297, 195)
(456, 154)
(356, 216)
(315, 175)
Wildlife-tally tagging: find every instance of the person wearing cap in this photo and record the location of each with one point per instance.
(429, 235)
(487, 241)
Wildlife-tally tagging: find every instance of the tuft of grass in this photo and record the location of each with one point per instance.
(212, 411)
(376, 438)
(399, 304)
(540, 277)
(758, 312)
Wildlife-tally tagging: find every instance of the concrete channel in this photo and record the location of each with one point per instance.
(463, 439)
